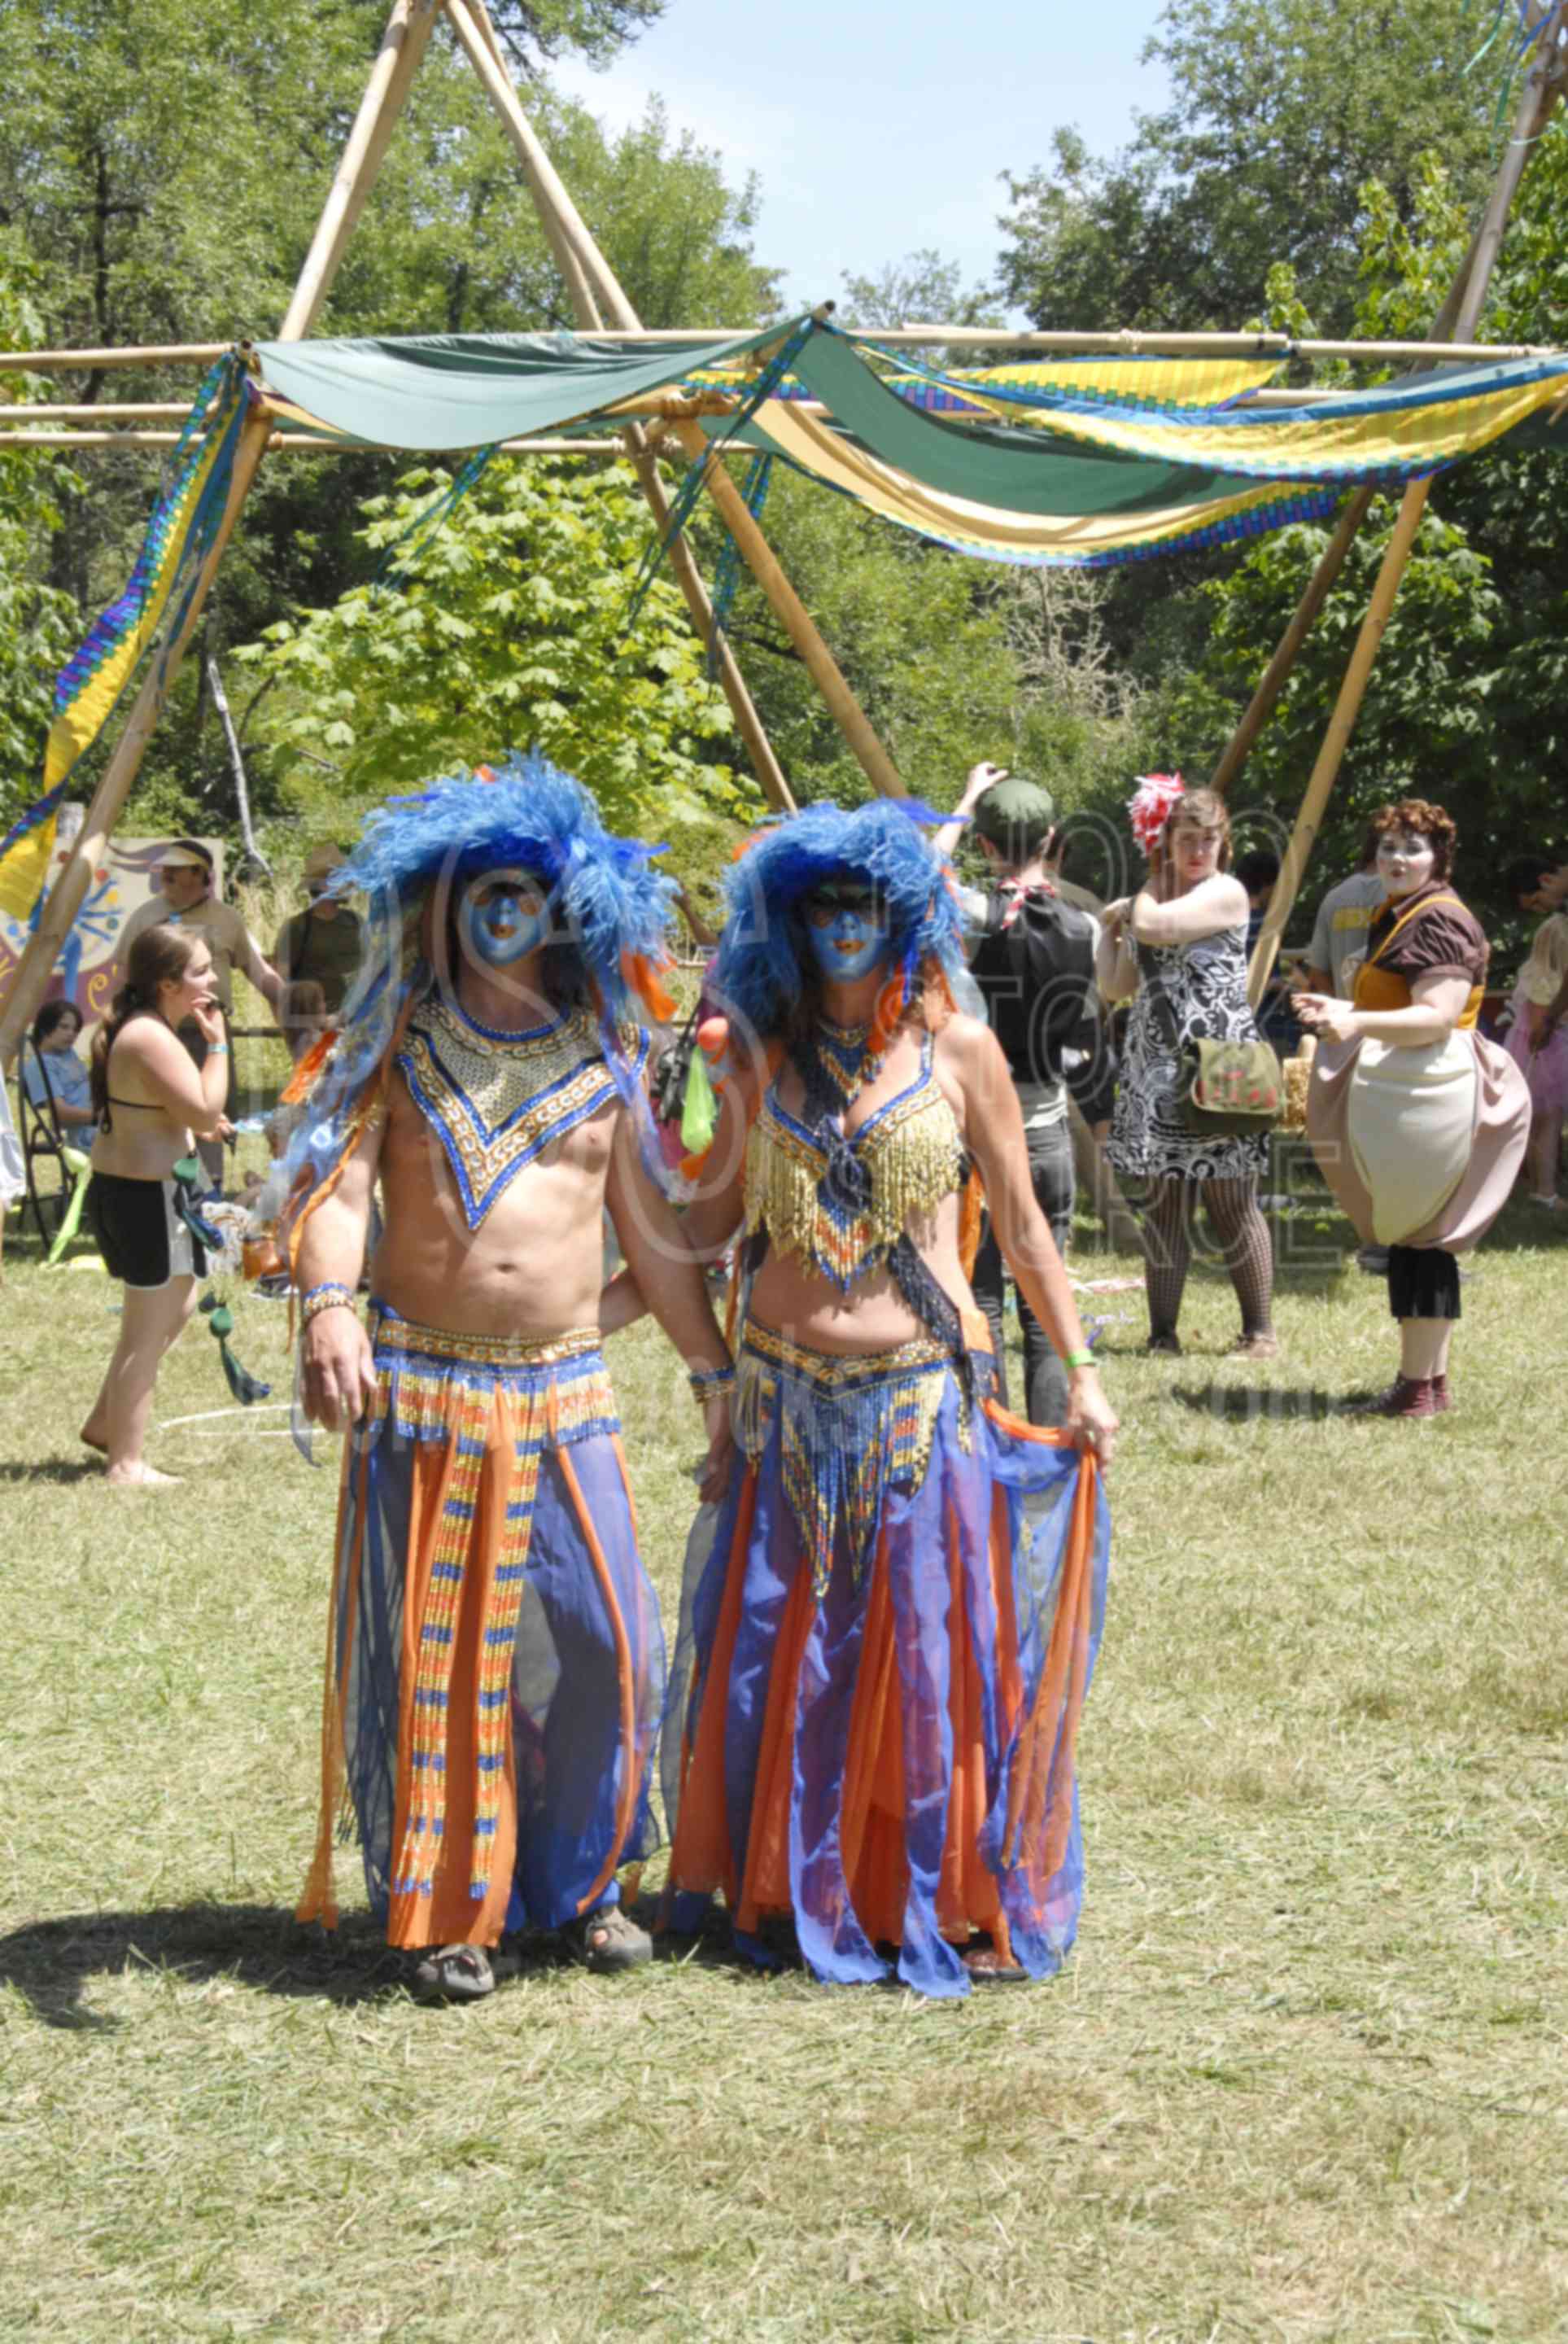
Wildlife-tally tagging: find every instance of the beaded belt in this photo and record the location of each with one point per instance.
(390, 1333)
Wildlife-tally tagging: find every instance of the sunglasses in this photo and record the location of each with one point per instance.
(825, 905)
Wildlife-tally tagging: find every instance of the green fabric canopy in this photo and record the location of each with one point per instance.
(438, 392)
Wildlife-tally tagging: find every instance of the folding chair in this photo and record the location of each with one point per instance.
(43, 1135)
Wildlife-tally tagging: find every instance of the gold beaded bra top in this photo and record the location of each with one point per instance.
(497, 1100)
(840, 1203)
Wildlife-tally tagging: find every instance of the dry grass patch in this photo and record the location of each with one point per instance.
(1303, 2079)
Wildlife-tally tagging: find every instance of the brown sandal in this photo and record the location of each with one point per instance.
(988, 1965)
(462, 1972)
(608, 1940)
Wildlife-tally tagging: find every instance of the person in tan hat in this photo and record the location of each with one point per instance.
(320, 946)
(185, 900)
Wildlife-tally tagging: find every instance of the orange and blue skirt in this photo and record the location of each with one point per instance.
(889, 1629)
(495, 1661)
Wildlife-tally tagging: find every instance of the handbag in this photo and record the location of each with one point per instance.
(1234, 1088)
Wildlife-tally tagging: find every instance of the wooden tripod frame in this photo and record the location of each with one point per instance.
(593, 290)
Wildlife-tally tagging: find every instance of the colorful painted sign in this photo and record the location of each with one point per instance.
(125, 878)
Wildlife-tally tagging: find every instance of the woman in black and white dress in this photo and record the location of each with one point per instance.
(1177, 950)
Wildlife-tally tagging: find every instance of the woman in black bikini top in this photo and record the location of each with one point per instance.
(136, 1208)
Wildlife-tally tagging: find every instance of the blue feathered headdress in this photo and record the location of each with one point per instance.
(614, 908)
(611, 913)
(759, 973)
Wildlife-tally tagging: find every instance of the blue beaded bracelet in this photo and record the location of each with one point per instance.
(330, 1295)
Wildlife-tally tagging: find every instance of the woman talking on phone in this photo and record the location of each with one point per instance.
(153, 1102)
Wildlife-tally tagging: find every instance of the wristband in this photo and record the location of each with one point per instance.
(217, 1049)
(1073, 1360)
(328, 1296)
(706, 1383)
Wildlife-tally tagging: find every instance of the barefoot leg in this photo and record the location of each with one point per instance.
(150, 1319)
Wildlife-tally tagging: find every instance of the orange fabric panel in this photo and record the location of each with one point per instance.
(967, 1895)
(872, 1830)
(972, 1215)
(766, 1887)
(449, 1914)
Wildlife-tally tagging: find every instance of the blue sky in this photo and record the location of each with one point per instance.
(875, 130)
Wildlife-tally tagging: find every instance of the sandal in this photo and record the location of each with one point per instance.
(1167, 1341)
(462, 1972)
(1259, 1346)
(987, 1966)
(607, 1940)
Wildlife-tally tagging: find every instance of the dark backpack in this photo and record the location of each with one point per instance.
(1035, 972)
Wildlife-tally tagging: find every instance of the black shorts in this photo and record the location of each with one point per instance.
(140, 1232)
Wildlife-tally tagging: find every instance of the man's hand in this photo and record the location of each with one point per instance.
(1091, 1421)
(339, 1370)
(979, 779)
(716, 1465)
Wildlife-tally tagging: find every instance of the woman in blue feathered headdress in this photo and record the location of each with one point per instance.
(892, 1617)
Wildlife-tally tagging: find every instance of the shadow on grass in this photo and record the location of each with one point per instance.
(1262, 1403)
(51, 1469)
(50, 1963)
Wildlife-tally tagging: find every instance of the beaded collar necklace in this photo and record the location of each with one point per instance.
(497, 1099)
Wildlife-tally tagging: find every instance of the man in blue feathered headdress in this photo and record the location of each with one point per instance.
(496, 1664)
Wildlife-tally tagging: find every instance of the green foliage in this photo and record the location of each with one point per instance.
(1466, 704)
(511, 632)
(921, 290)
(1427, 726)
(1277, 116)
(37, 623)
(952, 660)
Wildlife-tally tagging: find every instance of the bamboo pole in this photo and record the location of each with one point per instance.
(282, 443)
(793, 616)
(578, 257)
(1059, 345)
(550, 196)
(1272, 683)
(1543, 88)
(365, 145)
(1332, 561)
(402, 46)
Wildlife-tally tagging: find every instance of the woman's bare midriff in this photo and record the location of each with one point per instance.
(142, 1142)
(873, 1316)
(534, 1267)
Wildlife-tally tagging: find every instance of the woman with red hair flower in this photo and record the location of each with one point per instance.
(1178, 949)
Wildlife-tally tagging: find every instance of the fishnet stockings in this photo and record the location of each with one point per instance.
(1242, 1235)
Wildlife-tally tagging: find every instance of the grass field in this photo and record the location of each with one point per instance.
(1303, 2078)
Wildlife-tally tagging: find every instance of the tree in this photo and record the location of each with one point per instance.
(1466, 704)
(1278, 117)
(169, 165)
(37, 623)
(511, 632)
(922, 289)
(953, 659)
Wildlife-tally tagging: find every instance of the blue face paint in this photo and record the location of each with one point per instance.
(850, 945)
(503, 918)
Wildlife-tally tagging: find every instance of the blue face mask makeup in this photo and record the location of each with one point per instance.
(846, 932)
(504, 917)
